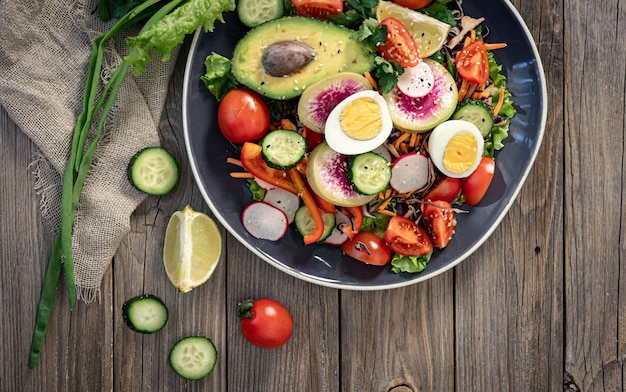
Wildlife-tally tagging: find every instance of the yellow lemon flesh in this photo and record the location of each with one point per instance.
(429, 33)
(192, 248)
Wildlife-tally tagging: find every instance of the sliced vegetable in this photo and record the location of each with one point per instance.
(266, 323)
(440, 221)
(407, 238)
(254, 12)
(417, 81)
(319, 9)
(145, 313)
(338, 235)
(472, 62)
(252, 160)
(413, 4)
(448, 189)
(284, 200)
(477, 112)
(154, 171)
(369, 173)
(410, 172)
(283, 149)
(368, 248)
(193, 357)
(309, 201)
(476, 184)
(264, 221)
(400, 45)
(305, 224)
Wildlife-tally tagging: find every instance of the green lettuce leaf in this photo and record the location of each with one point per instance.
(218, 77)
(170, 31)
(500, 132)
(409, 264)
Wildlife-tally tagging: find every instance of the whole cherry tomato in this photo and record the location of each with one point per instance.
(405, 237)
(319, 9)
(265, 322)
(476, 184)
(472, 62)
(448, 189)
(413, 4)
(440, 221)
(243, 116)
(368, 248)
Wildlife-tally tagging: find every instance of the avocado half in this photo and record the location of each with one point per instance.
(282, 57)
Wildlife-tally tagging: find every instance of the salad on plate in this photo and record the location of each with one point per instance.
(364, 125)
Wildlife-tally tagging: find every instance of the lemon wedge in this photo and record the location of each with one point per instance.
(192, 248)
(430, 34)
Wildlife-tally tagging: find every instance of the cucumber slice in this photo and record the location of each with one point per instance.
(193, 357)
(369, 173)
(145, 313)
(477, 112)
(305, 224)
(283, 149)
(154, 171)
(254, 12)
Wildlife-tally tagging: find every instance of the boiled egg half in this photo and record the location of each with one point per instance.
(358, 124)
(455, 147)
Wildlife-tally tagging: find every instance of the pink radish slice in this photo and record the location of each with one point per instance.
(410, 172)
(264, 221)
(337, 236)
(264, 184)
(418, 81)
(284, 200)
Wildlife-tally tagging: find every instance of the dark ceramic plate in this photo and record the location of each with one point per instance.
(325, 265)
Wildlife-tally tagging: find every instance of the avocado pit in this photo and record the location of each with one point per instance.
(284, 58)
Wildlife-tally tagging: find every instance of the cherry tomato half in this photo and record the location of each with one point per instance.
(400, 45)
(243, 116)
(472, 62)
(265, 322)
(319, 9)
(447, 189)
(439, 219)
(407, 238)
(413, 4)
(368, 248)
(476, 184)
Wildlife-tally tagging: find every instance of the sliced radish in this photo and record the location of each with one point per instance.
(338, 236)
(410, 172)
(264, 221)
(284, 200)
(418, 81)
(383, 152)
(264, 184)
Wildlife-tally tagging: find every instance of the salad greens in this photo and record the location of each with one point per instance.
(167, 24)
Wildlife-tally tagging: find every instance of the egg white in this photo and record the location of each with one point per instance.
(441, 136)
(341, 142)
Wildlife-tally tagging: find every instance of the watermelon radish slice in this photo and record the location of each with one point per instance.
(410, 172)
(327, 174)
(264, 221)
(424, 113)
(320, 98)
(418, 81)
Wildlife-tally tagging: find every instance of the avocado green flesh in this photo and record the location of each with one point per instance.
(334, 51)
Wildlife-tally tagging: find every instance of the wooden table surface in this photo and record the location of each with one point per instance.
(542, 301)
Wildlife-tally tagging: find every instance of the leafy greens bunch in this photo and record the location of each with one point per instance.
(165, 25)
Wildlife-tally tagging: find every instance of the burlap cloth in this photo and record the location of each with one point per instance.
(44, 53)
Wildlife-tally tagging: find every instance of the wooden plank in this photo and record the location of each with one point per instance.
(594, 209)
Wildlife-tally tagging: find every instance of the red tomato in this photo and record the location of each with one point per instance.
(439, 219)
(405, 237)
(472, 62)
(447, 189)
(265, 322)
(368, 248)
(400, 46)
(243, 116)
(319, 9)
(476, 184)
(413, 4)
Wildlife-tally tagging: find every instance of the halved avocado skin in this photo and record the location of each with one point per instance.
(334, 50)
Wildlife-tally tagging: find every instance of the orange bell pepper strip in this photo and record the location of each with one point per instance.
(311, 204)
(356, 218)
(326, 206)
(252, 160)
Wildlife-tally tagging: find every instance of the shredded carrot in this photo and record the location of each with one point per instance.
(463, 89)
(473, 35)
(401, 140)
(495, 46)
(304, 131)
(498, 106)
(371, 79)
(480, 94)
(387, 212)
(381, 195)
(413, 140)
(468, 41)
(384, 204)
(234, 161)
(470, 89)
(287, 124)
(241, 175)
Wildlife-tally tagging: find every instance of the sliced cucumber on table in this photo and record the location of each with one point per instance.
(145, 313)
(154, 171)
(193, 357)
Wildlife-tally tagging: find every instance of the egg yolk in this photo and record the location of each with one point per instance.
(361, 119)
(460, 153)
